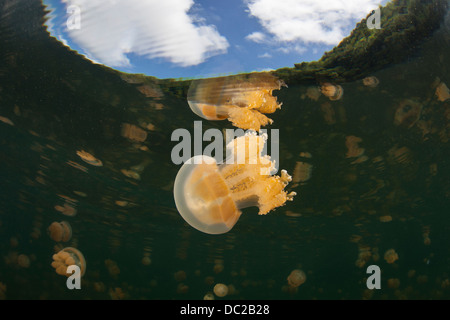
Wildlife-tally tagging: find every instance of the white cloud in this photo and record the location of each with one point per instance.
(257, 37)
(310, 21)
(265, 55)
(111, 29)
(292, 48)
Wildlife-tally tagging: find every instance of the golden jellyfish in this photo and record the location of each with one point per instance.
(133, 132)
(60, 231)
(393, 283)
(116, 294)
(407, 113)
(146, 261)
(371, 81)
(112, 267)
(208, 296)
(390, 256)
(6, 120)
(99, 286)
(209, 196)
(442, 92)
(179, 276)
(67, 209)
(89, 158)
(23, 261)
(332, 91)
(220, 290)
(243, 100)
(313, 93)
(67, 257)
(302, 170)
(296, 278)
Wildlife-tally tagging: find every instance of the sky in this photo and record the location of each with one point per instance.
(203, 38)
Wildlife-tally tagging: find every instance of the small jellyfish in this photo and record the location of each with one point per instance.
(112, 267)
(353, 149)
(442, 92)
(296, 278)
(99, 286)
(116, 293)
(208, 296)
(209, 196)
(67, 209)
(371, 81)
(89, 158)
(393, 283)
(332, 91)
(146, 261)
(133, 132)
(60, 231)
(313, 93)
(390, 256)
(242, 100)
(302, 170)
(407, 113)
(179, 276)
(220, 290)
(6, 120)
(23, 261)
(67, 257)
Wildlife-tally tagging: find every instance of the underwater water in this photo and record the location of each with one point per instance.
(82, 143)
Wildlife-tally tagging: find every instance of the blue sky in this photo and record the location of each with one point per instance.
(204, 38)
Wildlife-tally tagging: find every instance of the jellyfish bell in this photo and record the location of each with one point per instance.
(332, 91)
(67, 257)
(209, 196)
(371, 81)
(296, 278)
(60, 231)
(220, 290)
(89, 158)
(243, 100)
(197, 185)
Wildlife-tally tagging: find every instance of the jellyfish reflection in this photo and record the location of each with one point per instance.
(209, 196)
(243, 100)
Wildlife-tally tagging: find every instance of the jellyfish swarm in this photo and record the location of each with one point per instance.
(67, 257)
(209, 196)
(242, 99)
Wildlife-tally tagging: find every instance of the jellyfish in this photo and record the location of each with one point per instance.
(89, 158)
(442, 92)
(112, 267)
(242, 100)
(407, 113)
(209, 196)
(23, 261)
(60, 231)
(208, 296)
(332, 91)
(390, 256)
(146, 261)
(220, 290)
(6, 120)
(296, 278)
(67, 257)
(371, 81)
(67, 209)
